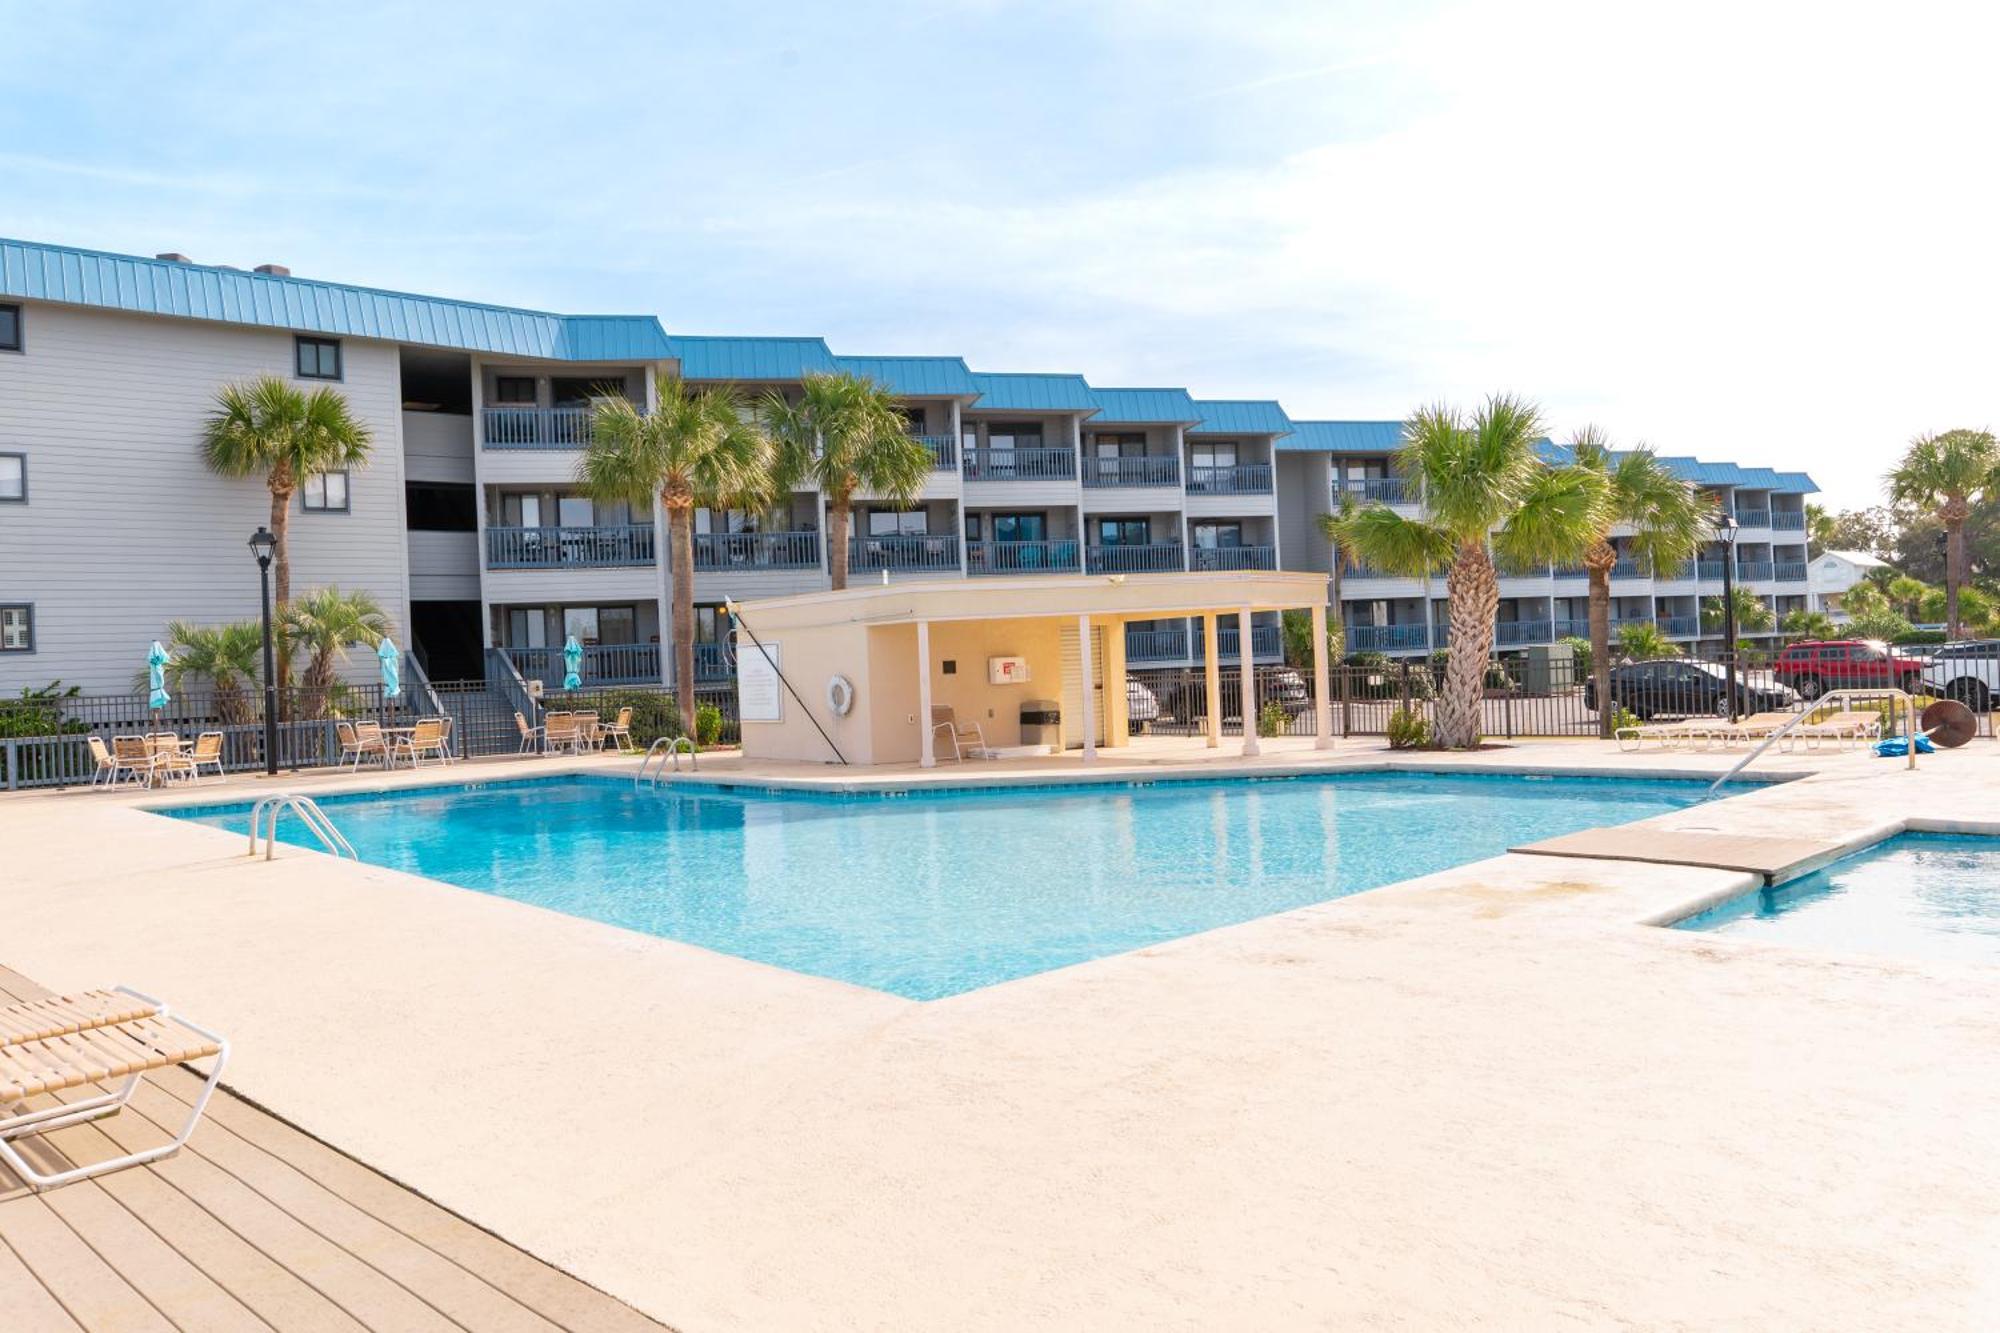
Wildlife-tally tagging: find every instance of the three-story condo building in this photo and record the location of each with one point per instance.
(468, 526)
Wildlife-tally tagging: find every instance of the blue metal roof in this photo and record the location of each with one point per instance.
(200, 291)
(1001, 391)
(1689, 468)
(1242, 416)
(915, 376)
(1344, 437)
(705, 358)
(1144, 405)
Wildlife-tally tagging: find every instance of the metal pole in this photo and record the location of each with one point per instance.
(1729, 624)
(270, 674)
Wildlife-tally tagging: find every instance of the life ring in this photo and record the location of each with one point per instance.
(840, 695)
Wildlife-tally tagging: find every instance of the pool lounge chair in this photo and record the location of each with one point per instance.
(1756, 727)
(965, 737)
(1849, 727)
(1670, 735)
(89, 1040)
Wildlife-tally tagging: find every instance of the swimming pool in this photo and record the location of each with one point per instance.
(929, 894)
(1929, 895)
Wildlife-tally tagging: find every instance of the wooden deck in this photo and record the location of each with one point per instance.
(255, 1225)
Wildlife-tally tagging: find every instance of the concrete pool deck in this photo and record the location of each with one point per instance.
(1489, 1096)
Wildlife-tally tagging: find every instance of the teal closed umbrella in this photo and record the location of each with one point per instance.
(391, 659)
(572, 664)
(156, 676)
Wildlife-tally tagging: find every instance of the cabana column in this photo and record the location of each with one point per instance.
(1322, 705)
(1247, 655)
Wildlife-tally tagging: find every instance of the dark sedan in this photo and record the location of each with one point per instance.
(1677, 687)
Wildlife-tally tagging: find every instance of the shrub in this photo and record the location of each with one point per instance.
(1917, 636)
(1272, 719)
(1644, 640)
(654, 712)
(39, 712)
(1408, 730)
(1622, 717)
(707, 725)
(1582, 661)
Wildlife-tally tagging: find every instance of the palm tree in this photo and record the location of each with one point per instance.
(847, 435)
(1949, 470)
(226, 656)
(1822, 529)
(1752, 616)
(1669, 519)
(693, 450)
(273, 428)
(1809, 625)
(323, 624)
(1487, 493)
(1640, 641)
(1908, 595)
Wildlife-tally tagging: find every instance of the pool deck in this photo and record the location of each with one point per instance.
(1491, 1096)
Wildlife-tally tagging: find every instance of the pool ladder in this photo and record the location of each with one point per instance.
(264, 815)
(666, 749)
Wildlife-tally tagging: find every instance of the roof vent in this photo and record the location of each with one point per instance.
(275, 270)
(173, 257)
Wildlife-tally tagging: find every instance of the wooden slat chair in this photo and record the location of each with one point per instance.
(531, 737)
(88, 1040)
(618, 734)
(207, 753)
(134, 755)
(558, 732)
(426, 738)
(586, 735)
(169, 759)
(965, 737)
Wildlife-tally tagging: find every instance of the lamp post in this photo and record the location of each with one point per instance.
(263, 544)
(1725, 528)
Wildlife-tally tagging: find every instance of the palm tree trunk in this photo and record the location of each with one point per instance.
(1954, 563)
(1473, 593)
(1599, 561)
(680, 548)
(839, 515)
(281, 569)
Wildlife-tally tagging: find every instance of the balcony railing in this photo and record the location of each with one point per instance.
(1375, 490)
(1385, 638)
(603, 664)
(1753, 518)
(1679, 627)
(1578, 627)
(1523, 631)
(1036, 464)
(1235, 557)
(536, 427)
(1155, 645)
(1057, 557)
(1157, 558)
(1789, 571)
(1684, 572)
(552, 548)
(1150, 470)
(756, 550)
(1264, 642)
(713, 661)
(908, 552)
(1753, 569)
(1240, 479)
(944, 451)
(1709, 571)
(1630, 569)
(1790, 519)
(1517, 569)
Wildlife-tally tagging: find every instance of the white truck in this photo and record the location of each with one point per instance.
(1968, 672)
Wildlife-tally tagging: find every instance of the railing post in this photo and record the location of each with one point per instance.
(13, 782)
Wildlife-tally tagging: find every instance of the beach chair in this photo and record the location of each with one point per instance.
(134, 755)
(1848, 727)
(170, 760)
(426, 738)
(1670, 735)
(963, 736)
(558, 732)
(92, 1040)
(531, 737)
(618, 733)
(1755, 727)
(207, 753)
(110, 767)
(586, 735)
(360, 740)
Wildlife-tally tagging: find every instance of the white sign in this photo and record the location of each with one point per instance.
(1006, 671)
(759, 696)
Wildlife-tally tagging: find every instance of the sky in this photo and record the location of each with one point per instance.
(1748, 231)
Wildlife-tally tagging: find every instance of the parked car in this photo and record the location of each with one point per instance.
(1968, 672)
(1812, 667)
(1679, 687)
(1141, 705)
(1181, 695)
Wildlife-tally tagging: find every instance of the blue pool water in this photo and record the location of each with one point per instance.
(926, 895)
(1927, 895)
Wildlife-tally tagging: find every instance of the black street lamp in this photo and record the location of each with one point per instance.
(263, 543)
(1725, 528)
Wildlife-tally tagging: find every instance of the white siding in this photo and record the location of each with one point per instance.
(126, 529)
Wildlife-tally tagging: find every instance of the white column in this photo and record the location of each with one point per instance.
(929, 751)
(1322, 705)
(1249, 685)
(1089, 695)
(1211, 669)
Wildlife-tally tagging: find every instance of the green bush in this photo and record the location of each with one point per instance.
(1580, 656)
(707, 725)
(655, 713)
(1272, 719)
(38, 712)
(1921, 636)
(1408, 730)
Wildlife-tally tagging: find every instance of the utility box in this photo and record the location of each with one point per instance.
(1549, 667)
(1041, 722)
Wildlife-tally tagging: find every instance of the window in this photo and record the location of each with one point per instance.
(898, 523)
(1218, 536)
(514, 390)
(434, 506)
(10, 328)
(1123, 532)
(1123, 444)
(17, 628)
(1222, 453)
(325, 493)
(578, 393)
(1019, 527)
(13, 478)
(319, 358)
(915, 418)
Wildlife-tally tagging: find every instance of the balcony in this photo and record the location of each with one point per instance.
(1709, 571)
(1144, 646)
(944, 451)
(1151, 470)
(1579, 627)
(1020, 464)
(1630, 569)
(713, 661)
(1058, 557)
(756, 550)
(903, 553)
(1753, 518)
(1519, 569)
(1159, 558)
(1239, 479)
(1680, 627)
(1514, 632)
(1375, 490)
(561, 548)
(1684, 572)
(536, 427)
(1791, 520)
(1789, 571)
(1754, 569)
(1264, 642)
(1212, 558)
(1385, 638)
(603, 664)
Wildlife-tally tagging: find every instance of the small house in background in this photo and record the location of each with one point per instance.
(1830, 574)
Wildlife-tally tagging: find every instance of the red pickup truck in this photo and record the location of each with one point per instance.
(1814, 667)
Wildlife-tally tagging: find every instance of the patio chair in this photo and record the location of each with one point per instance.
(558, 732)
(618, 734)
(531, 737)
(426, 738)
(134, 755)
(85, 1041)
(207, 753)
(359, 740)
(962, 735)
(170, 760)
(586, 735)
(107, 767)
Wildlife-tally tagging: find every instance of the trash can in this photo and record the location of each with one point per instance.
(1041, 722)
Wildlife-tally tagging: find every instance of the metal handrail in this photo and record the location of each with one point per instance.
(672, 750)
(309, 814)
(1814, 706)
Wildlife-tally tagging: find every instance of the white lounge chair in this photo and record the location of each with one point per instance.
(963, 736)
